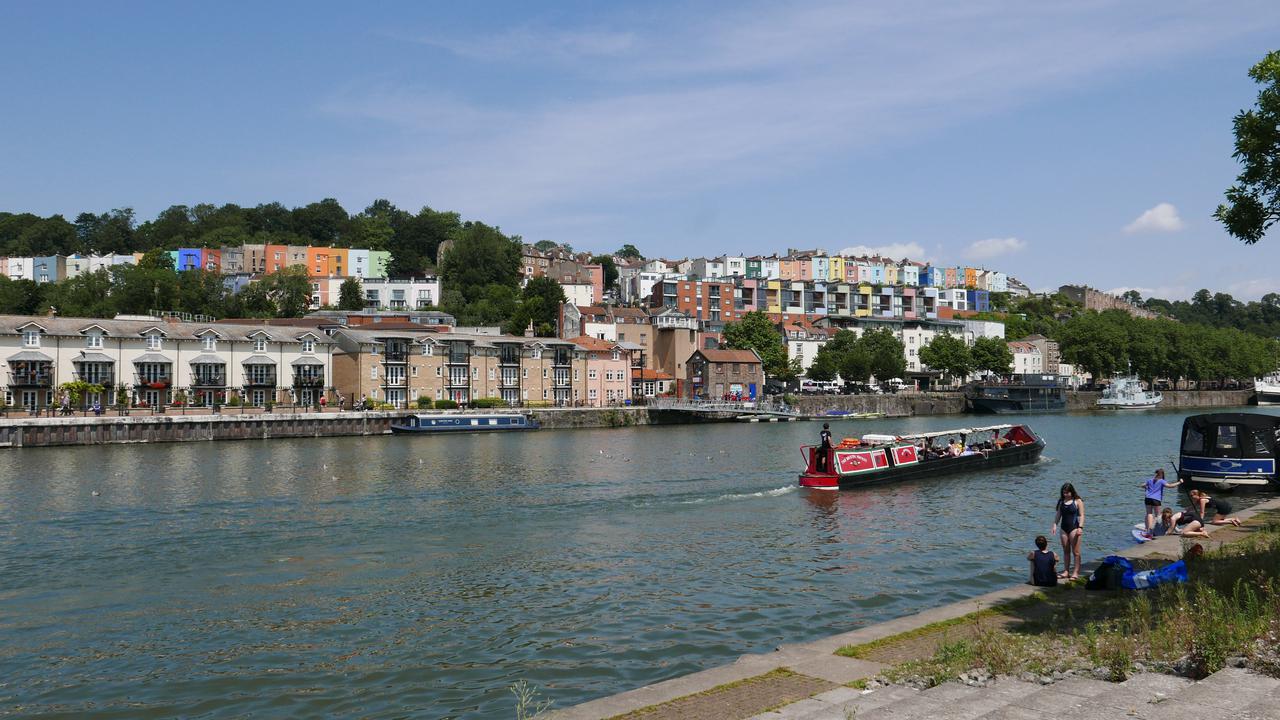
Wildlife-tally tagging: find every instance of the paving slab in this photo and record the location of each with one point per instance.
(1014, 712)
(880, 697)
(835, 668)
(1049, 700)
(1083, 687)
(802, 710)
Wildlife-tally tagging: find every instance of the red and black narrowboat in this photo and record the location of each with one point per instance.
(875, 459)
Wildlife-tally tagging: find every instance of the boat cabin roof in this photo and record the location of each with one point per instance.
(960, 431)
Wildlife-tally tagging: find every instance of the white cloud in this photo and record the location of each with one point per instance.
(1161, 218)
(1163, 292)
(681, 102)
(1253, 289)
(994, 248)
(897, 251)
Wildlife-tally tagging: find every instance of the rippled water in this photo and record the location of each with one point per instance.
(386, 577)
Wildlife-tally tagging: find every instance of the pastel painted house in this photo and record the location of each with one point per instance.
(52, 268)
(608, 380)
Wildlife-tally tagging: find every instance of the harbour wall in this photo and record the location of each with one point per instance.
(47, 432)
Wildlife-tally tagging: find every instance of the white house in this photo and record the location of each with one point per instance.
(21, 268)
(401, 293)
(1027, 359)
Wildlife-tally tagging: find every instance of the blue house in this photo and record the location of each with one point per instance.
(49, 269)
(979, 300)
(188, 259)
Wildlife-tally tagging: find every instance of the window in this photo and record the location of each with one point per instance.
(428, 349)
(209, 342)
(475, 373)
(415, 371)
(575, 373)
(591, 374)
(308, 346)
(259, 345)
(153, 342)
(591, 394)
(439, 393)
(31, 338)
(524, 373)
(544, 373)
(490, 373)
(93, 340)
(438, 372)
(373, 372)
(544, 393)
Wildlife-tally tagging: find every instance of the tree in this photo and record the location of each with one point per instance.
(289, 290)
(949, 355)
(417, 239)
(480, 256)
(351, 294)
(19, 297)
(992, 354)
(324, 222)
(629, 252)
(540, 304)
(156, 259)
(755, 331)
(85, 295)
(888, 356)
(1095, 342)
(610, 269)
(1253, 203)
(139, 289)
(201, 292)
(545, 246)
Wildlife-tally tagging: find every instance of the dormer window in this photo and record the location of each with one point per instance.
(616, 355)
(308, 346)
(93, 341)
(259, 345)
(31, 338)
(210, 342)
(153, 341)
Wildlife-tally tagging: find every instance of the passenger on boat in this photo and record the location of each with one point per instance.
(1213, 510)
(823, 461)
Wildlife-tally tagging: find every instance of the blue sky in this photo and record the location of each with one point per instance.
(1083, 141)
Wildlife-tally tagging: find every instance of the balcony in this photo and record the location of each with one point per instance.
(30, 379)
(209, 380)
(397, 355)
(308, 381)
(260, 380)
(96, 378)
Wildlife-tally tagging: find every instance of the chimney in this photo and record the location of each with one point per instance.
(528, 332)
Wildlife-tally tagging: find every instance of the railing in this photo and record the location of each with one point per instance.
(395, 356)
(260, 380)
(31, 379)
(209, 380)
(153, 382)
(104, 379)
(308, 381)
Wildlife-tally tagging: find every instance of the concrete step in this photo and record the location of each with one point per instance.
(1232, 689)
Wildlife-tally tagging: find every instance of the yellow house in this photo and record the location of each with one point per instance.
(862, 308)
(890, 274)
(970, 277)
(835, 268)
(773, 296)
(338, 265)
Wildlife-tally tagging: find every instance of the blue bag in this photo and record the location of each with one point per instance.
(1171, 573)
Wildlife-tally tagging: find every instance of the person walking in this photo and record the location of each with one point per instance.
(1155, 497)
(1068, 523)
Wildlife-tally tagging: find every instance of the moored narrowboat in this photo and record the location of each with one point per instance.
(465, 422)
(875, 459)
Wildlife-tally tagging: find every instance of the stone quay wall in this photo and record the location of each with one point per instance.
(1173, 399)
(894, 405)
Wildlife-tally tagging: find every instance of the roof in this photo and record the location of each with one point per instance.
(647, 374)
(591, 343)
(738, 356)
(177, 330)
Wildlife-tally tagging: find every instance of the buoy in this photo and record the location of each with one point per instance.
(96, 493)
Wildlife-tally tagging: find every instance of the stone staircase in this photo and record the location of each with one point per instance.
(1230, 694)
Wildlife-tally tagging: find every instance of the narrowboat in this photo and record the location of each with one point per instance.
(472, 422)
(1227, 450)
(1018, 394)
(874, 459)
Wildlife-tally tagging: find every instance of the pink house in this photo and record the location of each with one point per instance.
(608, 379)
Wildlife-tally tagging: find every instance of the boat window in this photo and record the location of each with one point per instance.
(1259, 444)
(1227, 443)
(1192, 442)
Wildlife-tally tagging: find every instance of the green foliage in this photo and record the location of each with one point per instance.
(423, 403)
(949, 355)
(489, 402)
(629, 252)
(545, 246)
(991, 354)
(351, 295)
(77, 390)
(539, 304)
(887, 354)
(446, 405)
(1253, 203)
(481, 274)
(610, 269)
(755, 331)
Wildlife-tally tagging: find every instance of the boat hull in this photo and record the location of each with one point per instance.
(1003, 406)
(431, 424)
(404, 430)
(1269, 396)
(1128, 406)
(1007, 457)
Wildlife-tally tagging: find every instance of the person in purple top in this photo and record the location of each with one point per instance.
(1155, 497)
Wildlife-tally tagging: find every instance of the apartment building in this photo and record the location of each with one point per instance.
(155, 362)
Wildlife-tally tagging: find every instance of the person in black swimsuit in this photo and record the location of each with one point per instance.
(824, 449)
(1212, 510)
(1068, 522)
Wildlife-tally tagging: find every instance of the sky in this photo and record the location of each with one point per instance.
(1061, 142)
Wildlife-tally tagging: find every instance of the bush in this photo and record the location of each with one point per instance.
(489, 402)
(446, 405)
(234, 401)
(424, 403)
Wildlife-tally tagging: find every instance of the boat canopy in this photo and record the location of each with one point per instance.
(959, 431)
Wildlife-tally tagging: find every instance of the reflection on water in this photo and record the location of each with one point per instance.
(398, 576)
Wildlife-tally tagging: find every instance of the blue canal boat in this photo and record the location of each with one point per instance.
(1226, 450)
(454, 423)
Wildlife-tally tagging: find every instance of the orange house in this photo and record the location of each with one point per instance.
(274, 258)
(318, 261)
(338, 258)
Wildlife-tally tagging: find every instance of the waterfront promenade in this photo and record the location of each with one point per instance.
(809, 680)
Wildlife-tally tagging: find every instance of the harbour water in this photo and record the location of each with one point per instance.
(423, 576)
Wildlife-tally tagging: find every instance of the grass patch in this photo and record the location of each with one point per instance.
(864, 650)
(651, 709)
(1230, 607)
